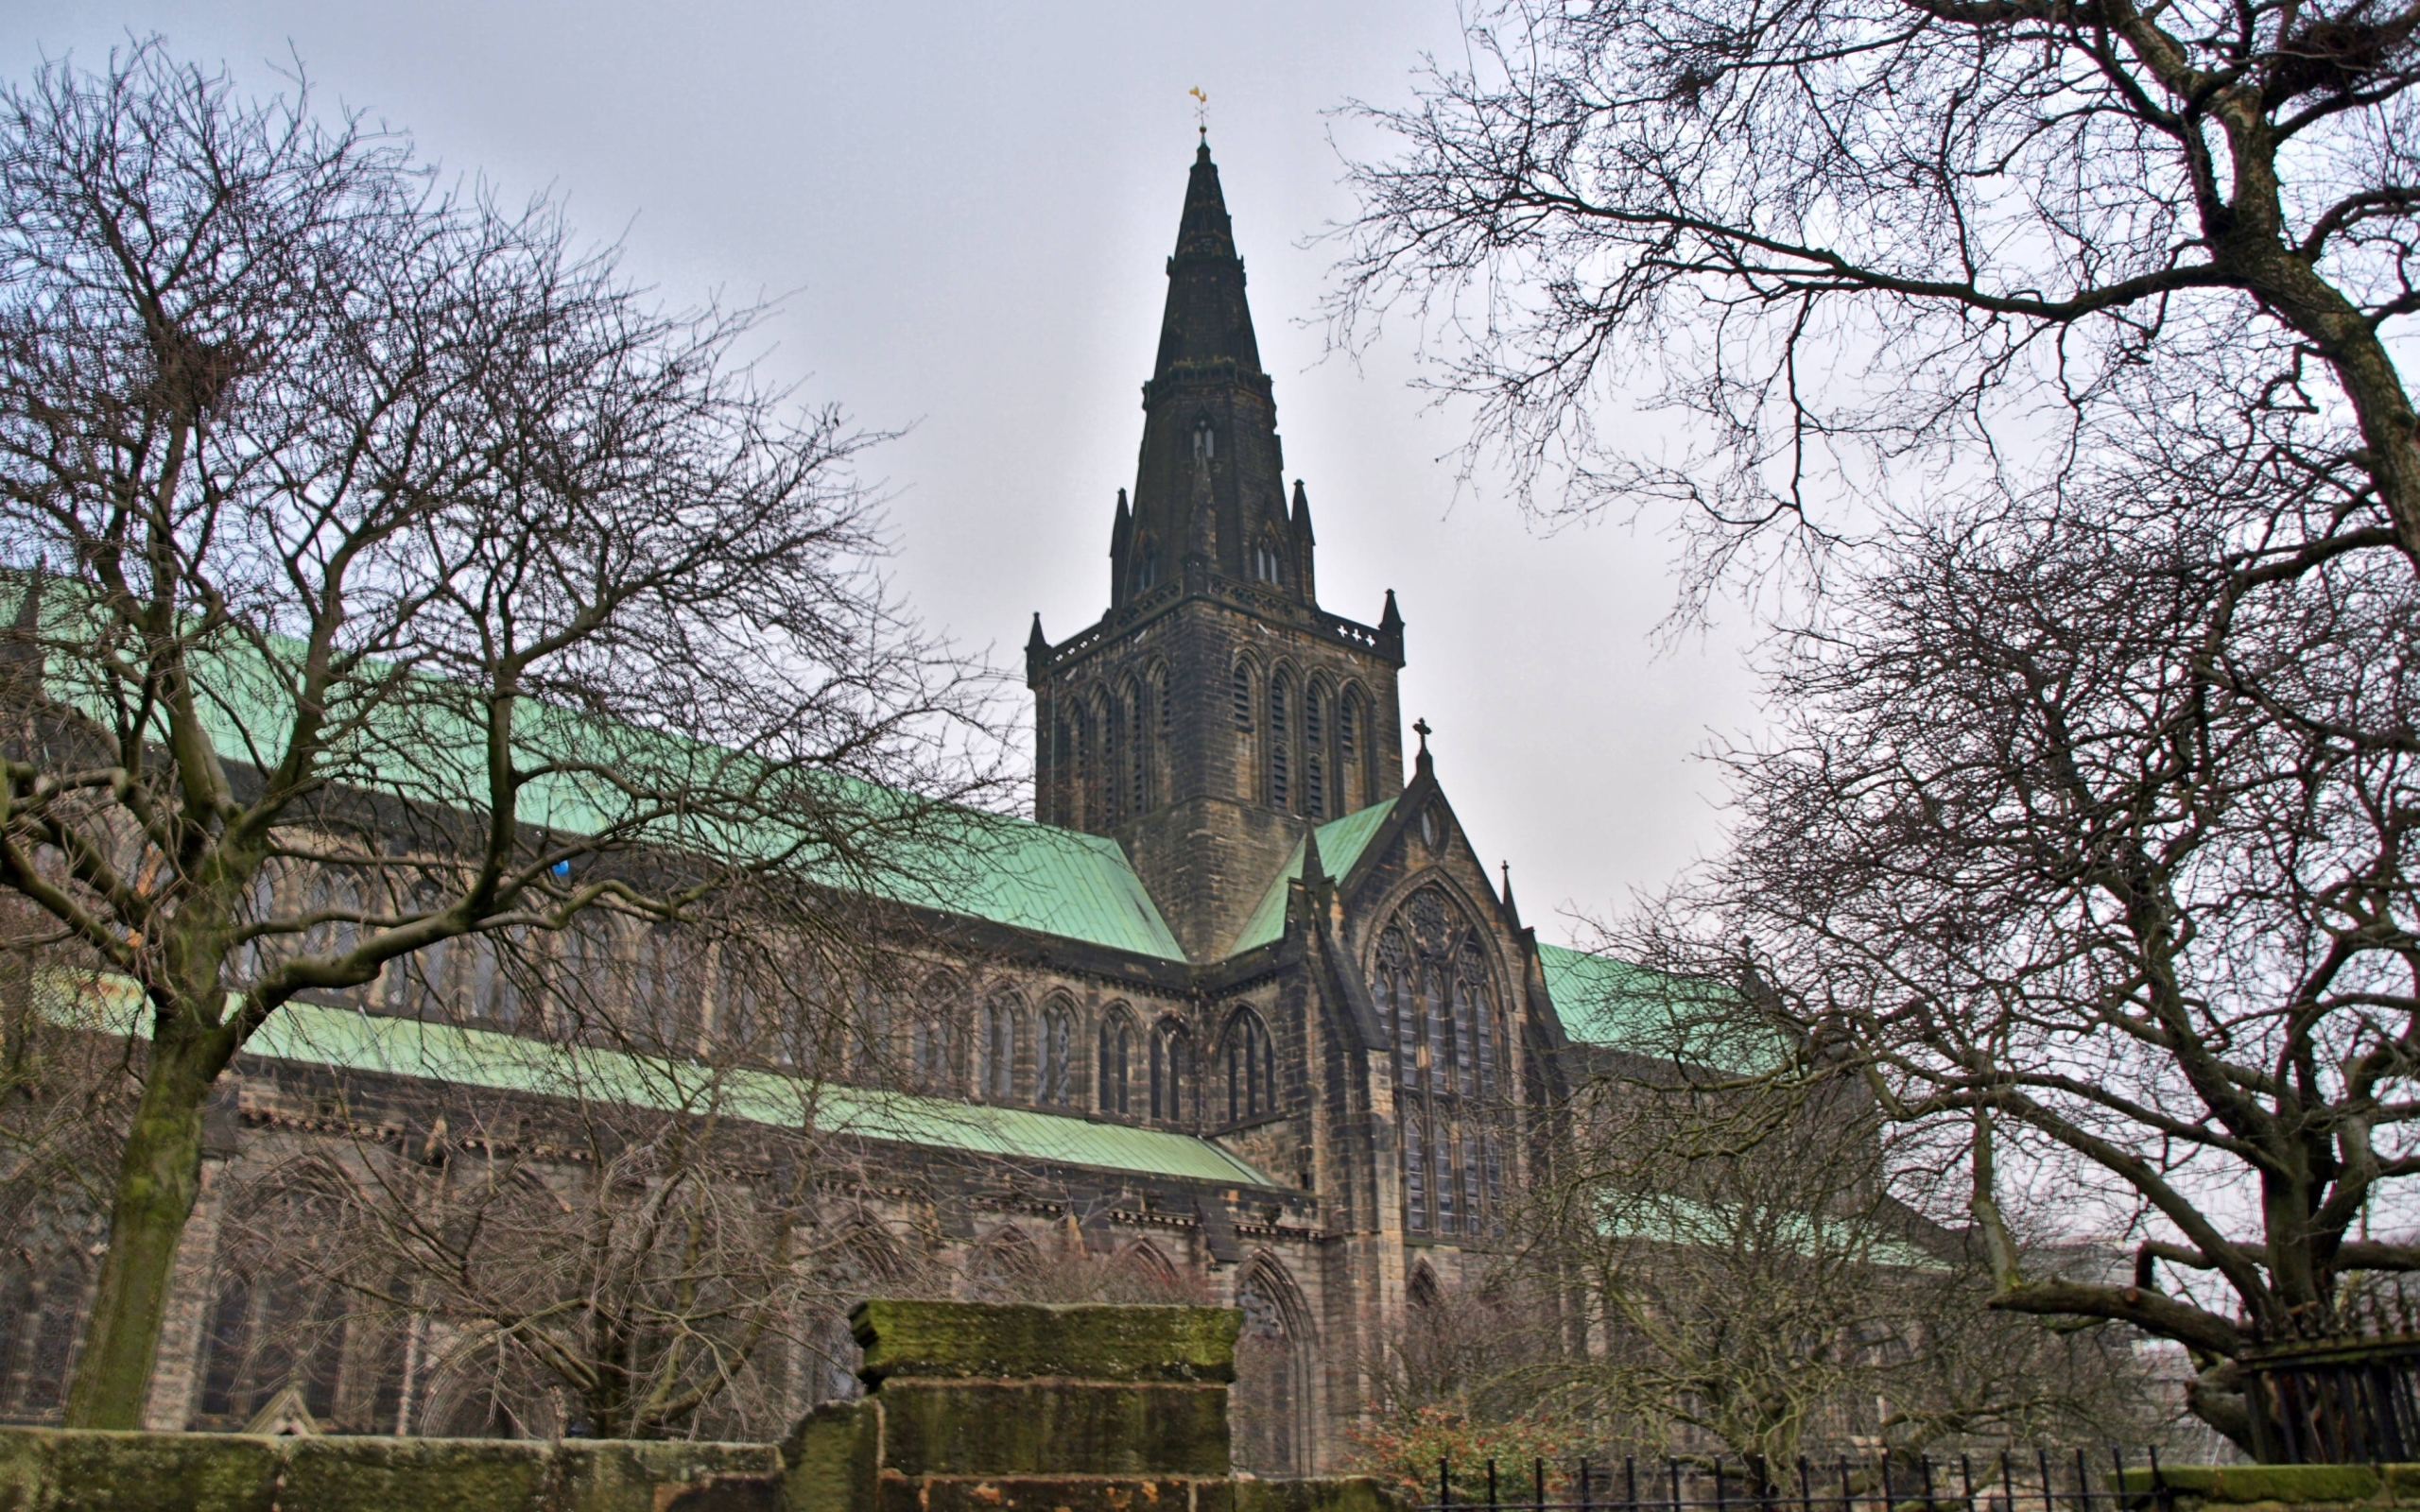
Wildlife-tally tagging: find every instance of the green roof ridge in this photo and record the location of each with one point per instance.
(1000, 868)
(1341, 842)
(350, 1039)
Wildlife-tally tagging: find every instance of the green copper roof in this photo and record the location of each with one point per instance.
(1665, 1218)
(983, 866)
(352, 1041)
(1041, 878)
(1608, 1001)
(1341, 842)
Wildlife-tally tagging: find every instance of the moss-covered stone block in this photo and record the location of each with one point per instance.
(1021, 1341)
(1339, 1493)
(1010, 1427)
(832, 1458)
(45, 1469)
(2239, 1484)
(55, 1470)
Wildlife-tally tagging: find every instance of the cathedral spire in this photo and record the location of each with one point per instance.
(1206, 318)
(1211, 416)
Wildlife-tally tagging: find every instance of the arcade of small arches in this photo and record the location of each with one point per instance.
(1143, 1063)
(659, 989)
(1111, 750)
(1308, 738)
(1309, 745)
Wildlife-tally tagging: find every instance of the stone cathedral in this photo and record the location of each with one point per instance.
(1248, 1010)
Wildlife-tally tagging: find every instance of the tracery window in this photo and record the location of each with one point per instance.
(1205, 441)
(1057, 1056)
(278, 1317)
(1249, 1064)
(1437, 998)
(1265, 564)
(1147, 564)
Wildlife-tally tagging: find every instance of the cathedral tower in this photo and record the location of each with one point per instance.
(1215, 710)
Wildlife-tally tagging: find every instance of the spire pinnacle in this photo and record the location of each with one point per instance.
(1037, 640)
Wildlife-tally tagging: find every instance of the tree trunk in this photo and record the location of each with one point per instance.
(158, 1179)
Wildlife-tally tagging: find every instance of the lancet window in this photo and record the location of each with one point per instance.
(1171, 1071)
(1057, 1055)
(1355, 784)
(1249, 1064)
(999, 1050)
(1139, 787)
(1116, 1053)
(1437, 997)
(1281, 692)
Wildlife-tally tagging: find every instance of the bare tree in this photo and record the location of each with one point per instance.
(1719, 1266)
(397, 573)
(1936, 246)
(1754, 1286)
(2089, 839)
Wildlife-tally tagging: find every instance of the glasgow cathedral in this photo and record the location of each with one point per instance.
(1251, 1015)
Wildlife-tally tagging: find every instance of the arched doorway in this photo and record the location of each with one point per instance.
(1273, 1411)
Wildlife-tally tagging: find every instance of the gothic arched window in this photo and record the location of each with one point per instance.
(1147, 564)
(1058, 1055)
(1106, 780)
(1435, 997)
(1116, 1053)
(1171, 1070)
(1281, 692)
(1266, 566)
(935, 1043)
(1249, 1065)
(1242, 681)
(999, 1050)
(416, 983)
(1138, 788)
(1205, 439)
(1348, 735)
(501, 969)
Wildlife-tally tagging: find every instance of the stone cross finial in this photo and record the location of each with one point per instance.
(1420, 728)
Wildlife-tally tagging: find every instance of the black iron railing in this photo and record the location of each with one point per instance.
(2014, 1481)
(2352, 1401)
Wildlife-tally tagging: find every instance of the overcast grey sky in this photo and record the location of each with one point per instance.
(965, 208)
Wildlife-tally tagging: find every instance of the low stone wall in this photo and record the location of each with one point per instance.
(2275, 1487)
(968, 1408)
(50, 1469)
